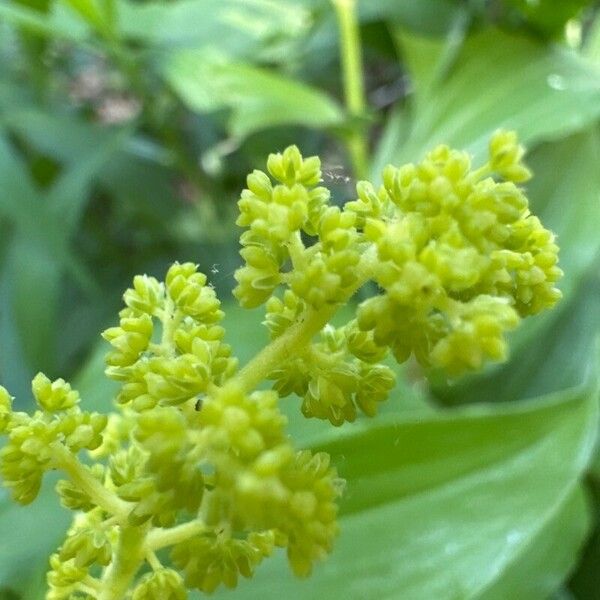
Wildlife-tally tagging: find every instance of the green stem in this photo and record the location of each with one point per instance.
(354, 91)
(171, 318)
(298, 335)
(161, 538)
(80, 476)
(127, 559)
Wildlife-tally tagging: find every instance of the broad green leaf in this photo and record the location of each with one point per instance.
(61, 135)
(68, 195)
(36, 278)
(565, 194)
(20, 198)
(257, 98)
(15, 373)
(60, 24)
(91, 13)
(504, 80)
(239, 27)
(39, 253)
(546, 16)
(29, 535)
(455, 505)
(548, 553)
(585, 581)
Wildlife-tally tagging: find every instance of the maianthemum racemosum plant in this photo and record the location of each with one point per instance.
(193, 481)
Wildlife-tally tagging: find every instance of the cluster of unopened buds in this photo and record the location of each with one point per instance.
(192, 481)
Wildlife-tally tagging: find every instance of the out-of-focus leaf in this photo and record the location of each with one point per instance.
(58, 23)
(90, 12)
(546, 16)
(66, 199)
(585, 581)
(63, 136)
(15, 374)
(96, 390)
(29, 535)
(565, 193)
(239, 27)
(258, 98)
(454, 505)
(431, 17)
(503, 80)
(20, 199)
(39, 254)
(36, 277)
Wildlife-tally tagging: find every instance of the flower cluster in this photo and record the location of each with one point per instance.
(28, 453)
(191, 457)
(460, 257)
(336, 375)
(276, 216)
(193, 480)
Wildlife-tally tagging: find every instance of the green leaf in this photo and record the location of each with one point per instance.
(39, 253)
(258, 98)
(29, 535)
(546, 16)
(503, 80)
(15, 373)
(455, 505)
(59, 23)
(69, 193)
(91, 13)
(238, 27)
(585, 581)
(36, 281)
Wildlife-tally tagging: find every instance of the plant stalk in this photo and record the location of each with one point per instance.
(298, 335)
(354, 91)
(125, 564)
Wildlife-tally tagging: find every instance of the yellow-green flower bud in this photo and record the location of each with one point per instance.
(72, 496)
(53, 396)
(281, 314)
(212, 560)
(5, 409)
(505, 157)
(63, 578)
(188, 290)
(163, 584)
(146, 296)
(129, 340)
(86, 546)
(289, 167)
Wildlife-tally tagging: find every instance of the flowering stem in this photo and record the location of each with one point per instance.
(80, 476)
(298, 335)
(354, 92)
(127, 559)
(160, 538)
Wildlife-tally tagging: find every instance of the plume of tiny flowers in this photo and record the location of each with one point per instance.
(192, 480)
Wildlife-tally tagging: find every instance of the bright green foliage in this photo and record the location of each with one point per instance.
(197, 458)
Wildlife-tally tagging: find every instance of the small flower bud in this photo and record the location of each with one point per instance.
(53, 396)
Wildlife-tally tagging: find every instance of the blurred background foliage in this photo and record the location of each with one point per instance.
(126, 131)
